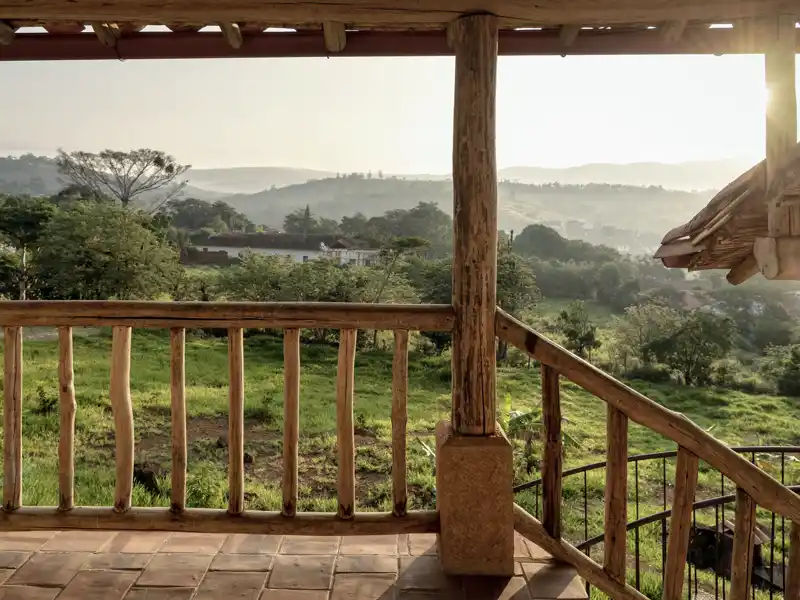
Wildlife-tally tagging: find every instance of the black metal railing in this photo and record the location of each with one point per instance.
(708, 560)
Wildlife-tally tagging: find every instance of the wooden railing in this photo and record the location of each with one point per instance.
(754, 486)
(234, 317)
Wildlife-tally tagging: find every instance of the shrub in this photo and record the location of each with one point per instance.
(654, 373)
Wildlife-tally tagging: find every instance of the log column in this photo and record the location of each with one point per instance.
(474, 461)
(778, 255)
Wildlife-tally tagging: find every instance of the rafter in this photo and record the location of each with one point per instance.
(232, 34)
(6, 34)
(107, 33)
(568, 34)
(335, 36)
(673, 31)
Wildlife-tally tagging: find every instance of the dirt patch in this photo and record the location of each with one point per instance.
(209, 428)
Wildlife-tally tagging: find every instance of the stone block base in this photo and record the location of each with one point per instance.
(474, 497)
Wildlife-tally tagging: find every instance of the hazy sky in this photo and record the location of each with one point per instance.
(390, 114)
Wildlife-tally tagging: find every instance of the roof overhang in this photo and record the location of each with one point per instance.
(244, 28)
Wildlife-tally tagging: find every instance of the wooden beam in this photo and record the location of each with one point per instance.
(279, 315)
(12, 418)
(122, 409)
(291, 419)
(235, 421)
(335, 36)
(177, 387)
(474, 41)
(568, 34)
(680, 523)
(6, 34)
(792, 583)
(107, 33)
(552, 462)
(743, 271)
(232, 34)
(390, 12)
(399, 422)
(672, 31)
(209, 520)
(345, 438)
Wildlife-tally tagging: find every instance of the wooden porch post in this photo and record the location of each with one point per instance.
(778, 254)
(474, 463)
(474, 40)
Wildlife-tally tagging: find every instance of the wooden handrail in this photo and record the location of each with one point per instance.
(763, 488)
(281, 315)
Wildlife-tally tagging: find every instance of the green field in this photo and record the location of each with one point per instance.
(737, 418)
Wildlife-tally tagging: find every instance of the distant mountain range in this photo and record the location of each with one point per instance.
(600, 203)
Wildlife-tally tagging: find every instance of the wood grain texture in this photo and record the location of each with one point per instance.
(235, 421)
(680, 523)
(552, 463)
(792, 583)
(743, 537)
(66, 420)
(335, 36)
(563, 551)
(768, 492)
(12, 418)
(120, 394)
(232, 34)
(616, 494)
(781, 124)
(399, 422)
(366, 13)
(177, 386)
(279, 315)
(474, 41)
(207, 520)
(291, 418)
(345, 436)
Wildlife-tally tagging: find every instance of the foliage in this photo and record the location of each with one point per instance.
(581, 336)
(123, 176)
(22, 221)
(699, 339)
(303, 221)
(782, 365)
(546, 243)
(191, 214)
(638, 328)
(100, 251)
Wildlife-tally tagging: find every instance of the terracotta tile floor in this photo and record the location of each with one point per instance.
(182, 566)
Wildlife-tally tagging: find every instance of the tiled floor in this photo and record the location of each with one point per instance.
(82, 565)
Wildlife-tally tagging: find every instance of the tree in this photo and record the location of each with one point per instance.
(101, 251)
(22, 222)
(700, 338)
(639, 328)
(580, 334)
(124, 176)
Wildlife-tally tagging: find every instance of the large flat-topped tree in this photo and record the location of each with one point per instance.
(394, 13)
(247, 28)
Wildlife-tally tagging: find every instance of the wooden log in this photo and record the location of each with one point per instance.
(278, 315)
(291, 418)
(335, 36)
(12, 418)
(616, 496)
(388, 13)
(120, 394)
(235, 421)
(7, 33)
(792, 583)
(474, 41)
(177, 370)
(345, 436)
(66, 418)
(399, 422)
(232, 34)
(205, 520)
(563, 551)
(743, 537)
(552, 463)
(680, 524)
(768, 492)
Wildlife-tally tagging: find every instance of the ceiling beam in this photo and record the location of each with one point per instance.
(335, 36)
(673, 31)
(154, 45)
(363, 13)
(107, 33)
(232, 34)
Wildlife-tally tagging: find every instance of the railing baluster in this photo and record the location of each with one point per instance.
(345, 379)
(177, 380)
(399, 421)
(235, 420)
(121, 407)
(680, 523)
(551, 466)
(291, 418)
(12, 419)
(66, 416)
(616, 494)
(742, 556)
(792, 582)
